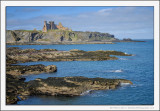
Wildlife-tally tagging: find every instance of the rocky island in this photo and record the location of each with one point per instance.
(17, 89)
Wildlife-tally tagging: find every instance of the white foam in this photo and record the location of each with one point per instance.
(123, 59)
(136, 85)
(124, 84)
(120, 70)
(86, 92)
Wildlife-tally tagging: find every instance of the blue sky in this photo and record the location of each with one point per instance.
(123, 22)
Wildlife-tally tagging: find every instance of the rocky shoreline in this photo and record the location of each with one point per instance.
(34, 37)
(17, 89)
(55, 36)
(32, 69)
(32, 55)
(61, 43)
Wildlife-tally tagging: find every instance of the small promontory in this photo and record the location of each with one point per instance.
(33, 55)
(18, 90)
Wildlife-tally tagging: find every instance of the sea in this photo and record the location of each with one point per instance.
(138, 68)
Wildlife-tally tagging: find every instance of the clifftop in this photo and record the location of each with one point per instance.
(56, 36)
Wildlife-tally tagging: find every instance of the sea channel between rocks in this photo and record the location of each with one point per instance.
(17, 89)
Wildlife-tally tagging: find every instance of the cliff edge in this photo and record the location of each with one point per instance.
(55, 36)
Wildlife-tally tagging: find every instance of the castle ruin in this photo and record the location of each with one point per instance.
(52, 26)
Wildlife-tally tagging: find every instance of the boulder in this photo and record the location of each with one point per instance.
(50, 68)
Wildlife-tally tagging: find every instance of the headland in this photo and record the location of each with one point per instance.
(58, 34)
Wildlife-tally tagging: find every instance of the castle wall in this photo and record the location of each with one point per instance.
(52, 26)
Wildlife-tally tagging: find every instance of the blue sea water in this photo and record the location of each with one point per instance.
(138, 68)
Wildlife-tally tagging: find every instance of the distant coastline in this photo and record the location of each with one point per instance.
(34, 37)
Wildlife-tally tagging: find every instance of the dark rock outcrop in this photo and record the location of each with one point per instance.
(32, 69)
(71, 86)
(29, 55)
(127, 39)
(55, 36)
(17, 89)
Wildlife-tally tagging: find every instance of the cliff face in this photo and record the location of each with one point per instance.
(23, 36)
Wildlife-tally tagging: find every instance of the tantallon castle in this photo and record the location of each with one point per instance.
(52, 26)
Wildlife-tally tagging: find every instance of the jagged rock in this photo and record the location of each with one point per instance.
(50, 68)
(75, 50)
(71, 86)
(32, 69)
(127, 39)
(15, 86)
(17, 89)
(55, 36)
(29, 55)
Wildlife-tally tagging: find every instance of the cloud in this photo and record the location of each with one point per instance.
(119, 21)
(105, 10)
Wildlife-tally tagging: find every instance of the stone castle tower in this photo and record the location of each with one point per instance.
(52, 26)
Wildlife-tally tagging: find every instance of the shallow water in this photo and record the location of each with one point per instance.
(138, 68)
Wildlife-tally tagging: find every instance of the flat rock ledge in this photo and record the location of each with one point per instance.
(71, 86)
(17, 89)
(30, 55)
(31, 69)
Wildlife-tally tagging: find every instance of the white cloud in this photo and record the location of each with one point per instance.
(105, 10)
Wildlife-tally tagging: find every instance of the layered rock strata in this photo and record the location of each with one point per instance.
(32, 69)
(29, 55)
(15, 86)
(55, 36)
(17, 89)
(71, 86)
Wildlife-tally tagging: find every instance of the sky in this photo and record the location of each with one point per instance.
(123, 22)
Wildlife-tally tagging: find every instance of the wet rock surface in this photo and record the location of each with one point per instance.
(15, 86)
(29, 55)
(32, 69)
(71, 86)
(17, 89)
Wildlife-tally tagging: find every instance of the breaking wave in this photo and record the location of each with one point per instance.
(86, 92)
(123, 59)
(120, 70)
(124, 84)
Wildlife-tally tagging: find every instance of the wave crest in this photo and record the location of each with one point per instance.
(124, 84)
(119, 70)
(123, 59)
(86, 92)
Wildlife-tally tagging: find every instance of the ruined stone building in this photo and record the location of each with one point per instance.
(52, 26)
